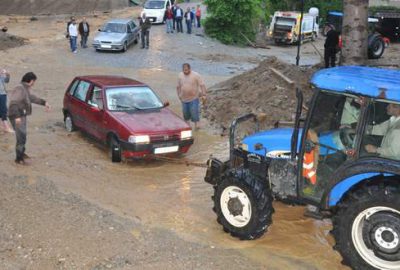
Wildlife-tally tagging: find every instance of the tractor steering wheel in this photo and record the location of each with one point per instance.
(347, 137)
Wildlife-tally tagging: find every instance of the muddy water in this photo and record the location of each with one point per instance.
(155, 193)
(175, 197)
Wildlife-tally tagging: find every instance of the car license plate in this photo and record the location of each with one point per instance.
(106, 46)
(165, 150)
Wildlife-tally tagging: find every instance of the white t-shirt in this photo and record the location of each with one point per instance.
(73, 30)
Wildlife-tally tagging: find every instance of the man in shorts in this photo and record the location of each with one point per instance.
(191, 89)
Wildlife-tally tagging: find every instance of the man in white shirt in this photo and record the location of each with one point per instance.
(390, 130)
(73, 35)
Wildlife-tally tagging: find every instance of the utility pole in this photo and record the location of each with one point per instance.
(300, 35)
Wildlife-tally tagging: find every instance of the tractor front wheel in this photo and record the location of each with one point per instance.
(243, 204)
(367, 228)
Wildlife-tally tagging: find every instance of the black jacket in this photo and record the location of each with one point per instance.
(80, 28)
(332, 39)
(145, 25)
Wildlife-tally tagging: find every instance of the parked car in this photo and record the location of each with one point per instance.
(155, 9)
(117, 35)
(126, 115)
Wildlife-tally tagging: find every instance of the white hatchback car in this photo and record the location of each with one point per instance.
(155, 9)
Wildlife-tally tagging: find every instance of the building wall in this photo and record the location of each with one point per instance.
(395, 3)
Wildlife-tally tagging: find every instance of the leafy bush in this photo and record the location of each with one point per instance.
(229, 20)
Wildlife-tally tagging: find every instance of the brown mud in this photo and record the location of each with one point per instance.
(165, 207)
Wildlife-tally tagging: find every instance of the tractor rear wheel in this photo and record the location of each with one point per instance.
(367, 228)
(376, 47)
(243, 204)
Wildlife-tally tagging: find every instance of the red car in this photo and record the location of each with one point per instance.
(126, 115)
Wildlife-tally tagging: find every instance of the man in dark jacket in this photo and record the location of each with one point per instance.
(20, 107)
(331, 45)
(145, 26)
(178, 14)
(84, 30)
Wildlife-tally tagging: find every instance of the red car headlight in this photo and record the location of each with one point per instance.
(139, 139)
(186, 134)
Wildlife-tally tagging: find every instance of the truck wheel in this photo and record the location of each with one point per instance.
(115, 150)
(69, 123)
(243, 204)
(367, 228)
(376, 48)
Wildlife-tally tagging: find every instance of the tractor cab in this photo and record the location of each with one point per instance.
(343, 158)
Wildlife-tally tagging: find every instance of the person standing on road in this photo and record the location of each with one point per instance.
(189, 19)
(73, 35)
(145, 26)
(331, 45)
(68, 24)
(191, 89)
(168, 18)
(198, 16)
(178, 18)
(84, 30)
(20, 107)
(173, 9)
(4, 78)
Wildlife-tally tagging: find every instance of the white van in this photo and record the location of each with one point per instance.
(155, 9)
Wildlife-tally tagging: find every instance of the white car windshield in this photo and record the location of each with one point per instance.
(132, 98)
(115, 28)
(154, 4)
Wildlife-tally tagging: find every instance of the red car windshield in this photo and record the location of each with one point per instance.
(132, 98)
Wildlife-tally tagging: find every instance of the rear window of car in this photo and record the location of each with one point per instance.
(81, 91)
(132, 98)
(73, 87)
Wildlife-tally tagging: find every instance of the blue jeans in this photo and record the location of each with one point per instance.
(191, 110)
(3, 107)
(169, 25)
(72, 42)
(189, 26)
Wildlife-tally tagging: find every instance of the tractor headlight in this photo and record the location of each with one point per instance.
(139, 139)
(186, 134)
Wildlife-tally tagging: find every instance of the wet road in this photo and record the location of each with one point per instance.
(156, 193)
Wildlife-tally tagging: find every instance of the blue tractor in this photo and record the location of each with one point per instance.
(342, 156)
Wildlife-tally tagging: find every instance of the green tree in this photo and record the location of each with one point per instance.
(229, 20)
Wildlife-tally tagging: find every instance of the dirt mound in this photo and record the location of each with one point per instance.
(8, 41)
(262, 89)
(42, 7)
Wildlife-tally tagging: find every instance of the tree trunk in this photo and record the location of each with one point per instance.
(355, 32)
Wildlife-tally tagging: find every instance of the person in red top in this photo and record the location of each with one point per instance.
(198, 16)
(169, 18)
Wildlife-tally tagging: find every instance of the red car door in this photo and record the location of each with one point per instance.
(95, 121)
(77, 104)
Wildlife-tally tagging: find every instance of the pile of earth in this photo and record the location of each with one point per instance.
(8, 41)
(260, 90)
(43, 7)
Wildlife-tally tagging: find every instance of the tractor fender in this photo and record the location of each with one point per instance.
(351, 174)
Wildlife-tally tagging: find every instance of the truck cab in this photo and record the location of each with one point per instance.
(342, 155)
